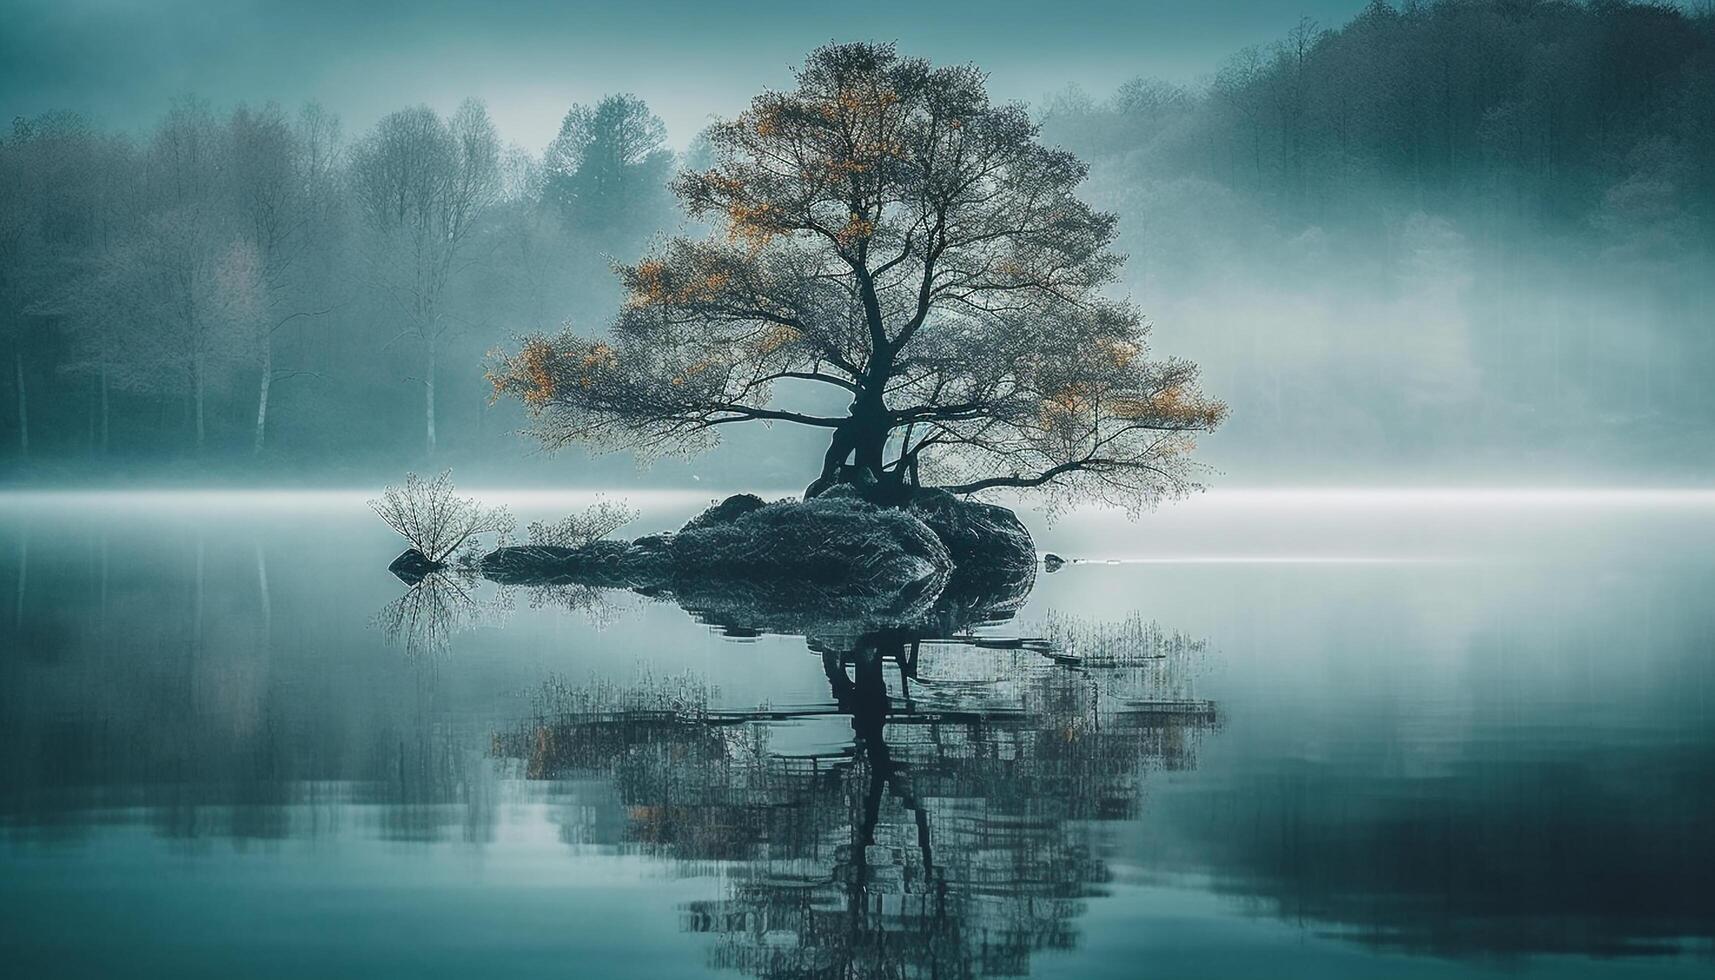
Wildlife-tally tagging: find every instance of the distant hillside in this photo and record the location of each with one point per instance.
(1474, 233)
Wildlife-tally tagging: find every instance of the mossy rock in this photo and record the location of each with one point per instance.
(412, 566)
(612, 564)
(842, 543)
(727, 511)
(835, 562)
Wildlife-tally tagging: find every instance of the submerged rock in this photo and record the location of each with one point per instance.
(412, 566)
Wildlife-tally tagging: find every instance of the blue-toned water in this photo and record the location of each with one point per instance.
(1316, 733)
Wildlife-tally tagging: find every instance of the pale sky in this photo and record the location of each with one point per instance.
(121, 61)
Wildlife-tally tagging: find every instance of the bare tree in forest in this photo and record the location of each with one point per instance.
(185, 284)
(54, 174)
(282, 176)
(889, 236)
(1238, 87)
(18, 242)
(422, 184)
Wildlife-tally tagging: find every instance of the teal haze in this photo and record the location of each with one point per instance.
(1422, 687)
(120, 62)
(1406, 243)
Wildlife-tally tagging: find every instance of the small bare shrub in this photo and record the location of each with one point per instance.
(433, 518)
(577, 530)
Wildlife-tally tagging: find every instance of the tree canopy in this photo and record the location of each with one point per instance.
(607, 170)
(422, 185)
(885, 233)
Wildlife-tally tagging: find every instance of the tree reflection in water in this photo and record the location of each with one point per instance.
(438, 606)
(957, 831)
(428, 614)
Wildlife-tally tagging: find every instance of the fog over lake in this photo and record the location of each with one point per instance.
(949, 490)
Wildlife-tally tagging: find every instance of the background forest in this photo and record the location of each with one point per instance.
(1471, 239)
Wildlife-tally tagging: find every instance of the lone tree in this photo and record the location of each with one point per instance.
(884, 230)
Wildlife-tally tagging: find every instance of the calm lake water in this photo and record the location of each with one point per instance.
(1278, 734)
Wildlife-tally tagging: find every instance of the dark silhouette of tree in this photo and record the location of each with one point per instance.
(889, 235)
(608, 168)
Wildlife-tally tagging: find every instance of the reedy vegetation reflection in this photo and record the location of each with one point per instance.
(958, 832)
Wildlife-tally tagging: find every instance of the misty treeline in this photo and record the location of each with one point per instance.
(1474, 232)
(255, 284)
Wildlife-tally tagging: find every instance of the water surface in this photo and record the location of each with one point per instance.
(1256, 734)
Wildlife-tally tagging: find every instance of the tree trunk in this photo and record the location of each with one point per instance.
(23, 402)
(869, 453)
(262, 396)
(267, 596)
(429, 396)
(862, 438)
(869, 433)
(839, 448)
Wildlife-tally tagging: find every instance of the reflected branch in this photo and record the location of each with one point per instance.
(958, 832)
(427, 615)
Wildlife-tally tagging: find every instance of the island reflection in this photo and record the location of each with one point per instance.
(957, 830)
